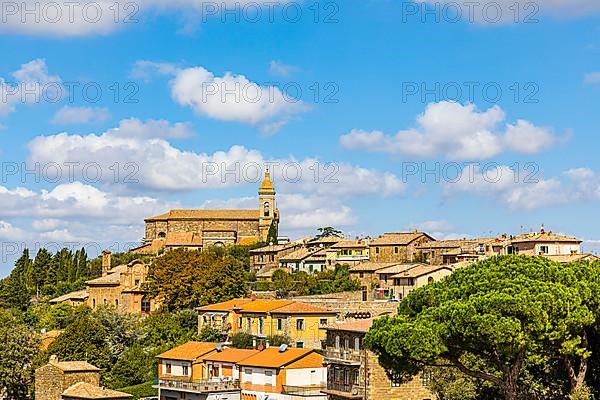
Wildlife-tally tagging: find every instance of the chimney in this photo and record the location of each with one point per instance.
(53, 359)
(105, 262)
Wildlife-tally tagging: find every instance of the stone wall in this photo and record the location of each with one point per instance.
(350, 303)
(51, 381)
(379, 385)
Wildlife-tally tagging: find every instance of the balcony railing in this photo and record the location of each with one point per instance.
(344, 356)
(304, 391)
(346, 390)
(199, 386)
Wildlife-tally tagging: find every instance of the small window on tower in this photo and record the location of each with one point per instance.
(267, 209)
(162, 235)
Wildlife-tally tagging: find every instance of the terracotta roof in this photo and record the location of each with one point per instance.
(402, 238)
(325, 240)
(229, 355)
(207, 214)
(301, 254)
(344, 244)
(274, 248)
(273, 358)
(455, 243)
(543, 237)
(421, 270)
(79, 295)
(84, 390)
(113, 277)
(264, 305)
(75, 366)
(371, 266)
(225, 306)
(189, 351)
(361, 325)
(302, 308)
(395, 269)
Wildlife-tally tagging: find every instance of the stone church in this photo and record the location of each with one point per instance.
(195, 229)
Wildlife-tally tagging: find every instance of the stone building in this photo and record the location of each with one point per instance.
(121, 287)
(354, 372)
(267, 257)
(534, 244)
(397, 247)
(197, 229)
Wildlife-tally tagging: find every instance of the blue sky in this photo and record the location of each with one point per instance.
(361, 67)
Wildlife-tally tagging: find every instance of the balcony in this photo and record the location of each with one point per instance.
(346, 357)
(304, 391)
(345, 390)
(198, 386)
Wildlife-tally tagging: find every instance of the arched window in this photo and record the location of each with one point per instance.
(267, 208)
(162, 235)
(430, 279)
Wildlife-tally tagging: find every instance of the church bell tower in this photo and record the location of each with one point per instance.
(266, 205)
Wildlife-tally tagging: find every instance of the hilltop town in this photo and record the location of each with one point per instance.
(288, 319)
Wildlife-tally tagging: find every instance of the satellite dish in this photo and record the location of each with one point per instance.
(283, 348)
(219, 347)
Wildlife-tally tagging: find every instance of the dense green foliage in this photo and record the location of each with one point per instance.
(242, 340)
(329, 231)
(521, 324)
(141, 391)
(189, 279)
(18, 353)
(329, 281)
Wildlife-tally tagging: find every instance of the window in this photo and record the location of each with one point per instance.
(137, 282)
(544, 250)
(261, 325)
(116, 303)
(185, 370)
(300, 324)
(248, 323)
(346, 377)
(248, 375)
(346, 344)
(396, 250)
(93, 303)
(104, 301)
(299, 345)
(240, 322)
(145, 305)
(279, 324)
(168, 368)
(162, 235)
(361, 275)
(267, 208)
(430, 279)
(337, 342)
(323, 323)
(356, 344)
(376, 250)
(355, 377)
(269, 378)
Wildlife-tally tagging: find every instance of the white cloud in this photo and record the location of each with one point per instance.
(234, 97)
(102, 17)
(518, 190)
(157, 165)
(456, 132)
(277, 68)
(31, 84)
(68, 115)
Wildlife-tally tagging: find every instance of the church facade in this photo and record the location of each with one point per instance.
(196, 229)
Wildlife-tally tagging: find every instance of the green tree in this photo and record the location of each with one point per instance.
(210, 334)
(83, 340)
(134, 366)
(187, 279)
(282, 282)
(278, 340)
(272, 234)
(242, 340)
(509, 313)
(18, 349)
(329, 231)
